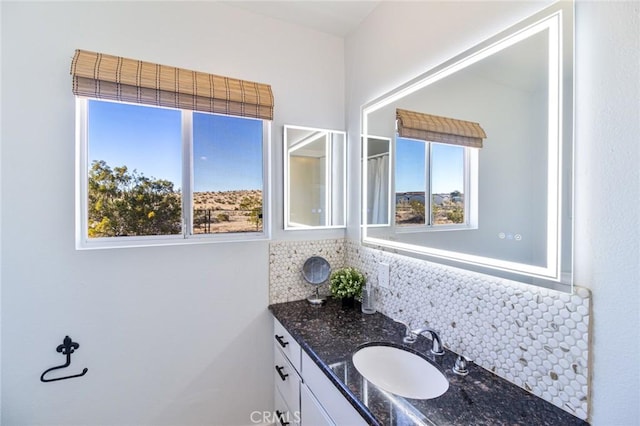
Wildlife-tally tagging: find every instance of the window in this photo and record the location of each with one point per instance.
(157, 175)
(167, 154)
(434, 186)
(437, 185)
(227, 174)
(134, 170)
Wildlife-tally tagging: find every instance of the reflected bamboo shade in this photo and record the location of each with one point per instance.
(433, 128)
(102, 76)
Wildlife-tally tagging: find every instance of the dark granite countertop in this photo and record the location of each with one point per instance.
(330, 334)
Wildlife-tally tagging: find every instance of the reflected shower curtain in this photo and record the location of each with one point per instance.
(378, 189)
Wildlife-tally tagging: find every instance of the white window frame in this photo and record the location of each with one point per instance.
(470, 194)
(83, 242)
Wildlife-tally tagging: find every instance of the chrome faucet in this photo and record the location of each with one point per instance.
(411, 335)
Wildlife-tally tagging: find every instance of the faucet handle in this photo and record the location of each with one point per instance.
(409, 335)
(460, 366)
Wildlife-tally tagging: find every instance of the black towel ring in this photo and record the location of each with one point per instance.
(66, 348)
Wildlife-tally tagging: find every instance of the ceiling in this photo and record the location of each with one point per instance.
(341, 17)
(333, 17)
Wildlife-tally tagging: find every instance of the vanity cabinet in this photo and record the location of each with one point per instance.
(333, 392)
(304, 395)
(286, 376)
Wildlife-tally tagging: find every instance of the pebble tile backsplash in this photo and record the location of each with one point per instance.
(534, 337)
(286, 258)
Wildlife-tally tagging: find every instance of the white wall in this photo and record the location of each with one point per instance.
(381, 55)
(607, 199)
(170, 335)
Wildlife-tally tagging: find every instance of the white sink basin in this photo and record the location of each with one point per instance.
(400, 372)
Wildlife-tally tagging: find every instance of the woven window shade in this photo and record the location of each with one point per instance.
(432, 128)
(101, 76)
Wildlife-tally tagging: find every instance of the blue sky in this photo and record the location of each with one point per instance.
(224, 153)
(447, 167)
(149, 140)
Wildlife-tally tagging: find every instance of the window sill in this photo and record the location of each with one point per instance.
(177, 240)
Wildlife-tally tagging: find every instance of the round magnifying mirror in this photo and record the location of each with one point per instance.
(316, 271)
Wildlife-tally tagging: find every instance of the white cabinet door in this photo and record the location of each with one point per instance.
(312, 413)
(303, 391)
(334, 403)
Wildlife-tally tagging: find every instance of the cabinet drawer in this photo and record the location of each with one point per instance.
(328, 395)
(284, 416)
(287, 344)
(286, 380)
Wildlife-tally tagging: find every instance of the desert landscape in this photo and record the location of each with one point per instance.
(227, 211)
(446, 208)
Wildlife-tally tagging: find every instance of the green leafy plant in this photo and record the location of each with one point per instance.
(124, 202)
(346, 282)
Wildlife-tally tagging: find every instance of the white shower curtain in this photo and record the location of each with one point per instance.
(378, 190)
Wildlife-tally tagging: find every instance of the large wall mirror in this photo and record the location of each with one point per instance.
(483, 151)
(315, 178)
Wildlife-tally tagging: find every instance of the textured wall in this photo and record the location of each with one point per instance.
(607, 211)
(534, 337)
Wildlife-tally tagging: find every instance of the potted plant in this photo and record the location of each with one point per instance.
(346, 284)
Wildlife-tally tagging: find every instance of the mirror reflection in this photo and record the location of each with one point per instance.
(315, 178)
(505, 203)
(379, 182)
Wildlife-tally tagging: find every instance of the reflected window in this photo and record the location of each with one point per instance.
(447, 184)
(411, 182)
(432, 185)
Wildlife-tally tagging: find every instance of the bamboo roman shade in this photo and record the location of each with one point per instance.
(101, 76)
(432, 128)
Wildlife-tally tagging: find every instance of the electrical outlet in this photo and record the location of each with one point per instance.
(383, 275)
